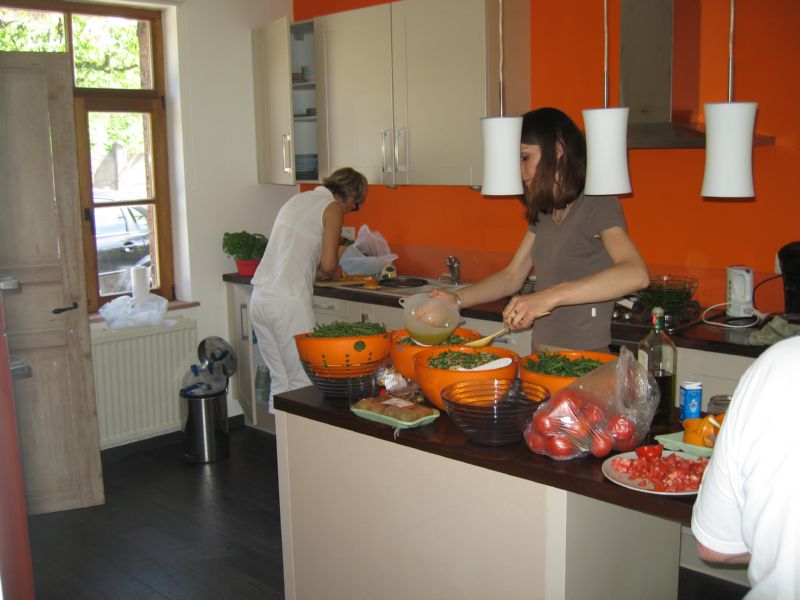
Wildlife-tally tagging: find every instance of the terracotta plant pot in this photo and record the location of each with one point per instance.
(246, 268)
(403, 354)
(553, 382)
(433, 381)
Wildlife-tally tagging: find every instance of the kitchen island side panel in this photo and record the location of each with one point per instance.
(371, 519)
(364, 517)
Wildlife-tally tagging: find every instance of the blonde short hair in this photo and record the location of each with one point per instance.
(347, 183)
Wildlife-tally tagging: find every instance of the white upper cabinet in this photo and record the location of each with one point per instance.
(284, 80)
(354, 58)
(401, 89)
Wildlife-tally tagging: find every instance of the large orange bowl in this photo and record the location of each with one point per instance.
(342, 351)
(432, 381)
(554, 382)
(403, 354)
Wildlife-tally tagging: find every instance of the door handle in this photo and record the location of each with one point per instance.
(8, 283)
(20, 369)
(400, 137)
(58, 311)
(286, 140)
(386, 168)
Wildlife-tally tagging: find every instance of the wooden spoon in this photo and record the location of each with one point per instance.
(485, 341)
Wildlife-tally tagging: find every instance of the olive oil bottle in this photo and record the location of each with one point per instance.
(656, 353)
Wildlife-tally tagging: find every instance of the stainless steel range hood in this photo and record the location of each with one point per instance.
(660, 73)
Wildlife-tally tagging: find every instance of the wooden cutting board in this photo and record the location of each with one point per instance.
(341, 282)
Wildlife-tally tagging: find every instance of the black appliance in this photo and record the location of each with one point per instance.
(789, 259)
(629, 312)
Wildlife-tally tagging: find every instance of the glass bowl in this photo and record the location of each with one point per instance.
(346, 381)
(429, 320)
(670, 292)
(493, 412)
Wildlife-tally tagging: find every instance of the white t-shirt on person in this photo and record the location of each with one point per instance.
(750, 497)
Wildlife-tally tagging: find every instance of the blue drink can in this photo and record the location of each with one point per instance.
(691, 399)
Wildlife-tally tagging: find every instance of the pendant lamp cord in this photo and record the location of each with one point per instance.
(501, 56)
(730, 56)
(605, 53)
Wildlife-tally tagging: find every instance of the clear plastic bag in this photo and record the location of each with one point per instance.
(368, 254)
(125, 312)
(610, 408)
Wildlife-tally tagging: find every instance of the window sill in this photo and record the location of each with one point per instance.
(173, 305)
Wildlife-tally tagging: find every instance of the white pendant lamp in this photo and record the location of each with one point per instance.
(501, 139)
(729, 141)
(606, 139)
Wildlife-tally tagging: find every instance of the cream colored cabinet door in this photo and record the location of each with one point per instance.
(46, 315)
(439, 65)
(719, 373)
(354, 66)
(240, 330)
(272, 83)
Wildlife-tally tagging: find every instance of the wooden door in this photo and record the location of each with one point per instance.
(354, 79)
(272, 82)
(46, 318)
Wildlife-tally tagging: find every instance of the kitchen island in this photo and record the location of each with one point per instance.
(371, 512)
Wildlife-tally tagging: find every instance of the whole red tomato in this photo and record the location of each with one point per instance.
(601, 443)
(575, 426)
(593, 413)
(621, 428)
(535, 441)
(561, 448)
(543, 423)
(625, 445)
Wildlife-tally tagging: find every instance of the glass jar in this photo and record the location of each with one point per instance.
(718, 404)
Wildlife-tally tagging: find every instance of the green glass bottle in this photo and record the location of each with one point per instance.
(656, 353)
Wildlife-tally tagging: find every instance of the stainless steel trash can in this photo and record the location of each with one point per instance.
(205, 433)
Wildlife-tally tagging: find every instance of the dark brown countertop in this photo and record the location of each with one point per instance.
(442, 437)
(700, 337)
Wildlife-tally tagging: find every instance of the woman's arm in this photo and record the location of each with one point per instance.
(498, 285)
(332, 218)
(626, 275)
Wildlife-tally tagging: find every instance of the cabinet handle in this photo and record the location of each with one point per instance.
(386, 168)
(401, 135)
(243, 321)
(330, 307)
(8, 283)
(20, 369)
(286, 148)
(63, 309)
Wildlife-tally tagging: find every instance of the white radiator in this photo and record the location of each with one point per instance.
(137, 376)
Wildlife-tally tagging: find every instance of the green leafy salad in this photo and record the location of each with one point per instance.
(342, 329)
(450, 359)
(552, 363)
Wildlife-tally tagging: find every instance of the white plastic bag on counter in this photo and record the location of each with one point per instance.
(125, 312)
(367, 255)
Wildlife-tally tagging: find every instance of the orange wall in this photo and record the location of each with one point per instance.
(675, 229)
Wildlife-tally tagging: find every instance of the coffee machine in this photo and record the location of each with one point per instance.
(789, 259)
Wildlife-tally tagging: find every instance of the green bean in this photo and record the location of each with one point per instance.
(450, 359)
(343, 329)
(552, 363)
(453, 340)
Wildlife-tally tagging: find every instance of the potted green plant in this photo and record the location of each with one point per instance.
(246, 249)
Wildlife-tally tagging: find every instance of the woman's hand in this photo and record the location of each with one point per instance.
(522, 311)
(448, 296)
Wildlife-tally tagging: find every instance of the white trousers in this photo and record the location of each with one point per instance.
(276, 320)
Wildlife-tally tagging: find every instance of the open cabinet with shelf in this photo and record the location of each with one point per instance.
(285, 102)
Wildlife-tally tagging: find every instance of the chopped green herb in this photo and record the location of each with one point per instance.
(453, 340)
(342, 329)
(450, 359)
(552, 363)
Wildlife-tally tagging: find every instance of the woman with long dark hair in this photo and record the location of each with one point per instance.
(578, 245)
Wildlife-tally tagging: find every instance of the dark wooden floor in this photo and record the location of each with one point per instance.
(175, 530)
(169, 529)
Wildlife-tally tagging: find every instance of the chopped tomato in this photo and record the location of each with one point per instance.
(666, 474)
(652, 451)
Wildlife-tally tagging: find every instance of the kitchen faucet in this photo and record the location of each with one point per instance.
(451, 262)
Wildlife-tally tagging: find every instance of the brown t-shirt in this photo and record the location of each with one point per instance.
(572, 250)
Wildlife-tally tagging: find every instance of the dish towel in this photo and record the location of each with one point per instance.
(775, 330)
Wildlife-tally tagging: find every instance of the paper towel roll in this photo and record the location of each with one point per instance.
(140, 282)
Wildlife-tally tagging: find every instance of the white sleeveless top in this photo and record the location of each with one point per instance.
(289, 265)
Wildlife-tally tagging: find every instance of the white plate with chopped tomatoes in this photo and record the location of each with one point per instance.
(671, 474)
